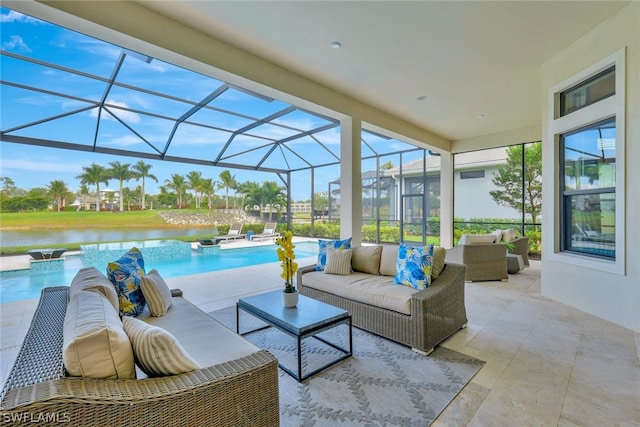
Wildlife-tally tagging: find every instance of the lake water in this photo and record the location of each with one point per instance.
(61, 237)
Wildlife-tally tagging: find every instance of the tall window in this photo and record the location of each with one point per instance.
(589, 189)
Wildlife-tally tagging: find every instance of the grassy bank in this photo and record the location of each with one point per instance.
(83, 220)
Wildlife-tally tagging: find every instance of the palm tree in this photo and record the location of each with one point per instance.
(94, 174)
(272, 194)
(122, 173)
(141, 170)
(178, 185)
(57, 191)
(195, 183)
(228, 181)
(208, 189)
(83, 192)
(250, 193)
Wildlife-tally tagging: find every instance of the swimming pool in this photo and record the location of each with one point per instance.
(18, 285)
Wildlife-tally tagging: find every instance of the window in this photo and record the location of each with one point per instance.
(586, 93)
(472, 174)
(589, 189)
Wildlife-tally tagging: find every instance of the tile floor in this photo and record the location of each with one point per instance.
(547, 364)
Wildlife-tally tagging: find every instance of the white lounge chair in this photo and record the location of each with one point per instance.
(269, 232)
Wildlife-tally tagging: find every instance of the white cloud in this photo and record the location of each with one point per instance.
(35, 166)
(126, 116)
(16, 43)
(14, 16)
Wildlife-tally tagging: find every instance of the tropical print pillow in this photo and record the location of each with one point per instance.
(414, 266)
(322, 250)
(126, 274)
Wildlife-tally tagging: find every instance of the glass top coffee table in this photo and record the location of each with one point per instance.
(307, 319)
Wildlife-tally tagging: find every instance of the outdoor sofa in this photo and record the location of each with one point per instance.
(420, 319)
(235, 385)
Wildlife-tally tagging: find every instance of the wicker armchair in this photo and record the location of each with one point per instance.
(520, 246)
(484, 261)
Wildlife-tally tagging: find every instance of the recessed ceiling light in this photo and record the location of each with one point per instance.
(479, 116)
(421, 98)
(335, 45)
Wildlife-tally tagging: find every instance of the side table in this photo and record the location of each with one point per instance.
(515, 264)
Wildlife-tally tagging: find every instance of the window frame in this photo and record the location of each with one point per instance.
(611, 107)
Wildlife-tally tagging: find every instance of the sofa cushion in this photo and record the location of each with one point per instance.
(90, 279)
(414, 266)
(497, 236)
(207, 341)
(379, 291)
(156, 293)
(439, 254)
(126, 273)
(95, 344)
(338, 261)
(322, 250)
(157, 351)
(366, 259)
(388, 260)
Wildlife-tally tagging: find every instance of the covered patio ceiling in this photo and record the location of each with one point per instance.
(71, 91)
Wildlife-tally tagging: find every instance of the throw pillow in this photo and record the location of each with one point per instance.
(90, 279)
(125, 274)
(338, 261)
(322, 250)
(156, 350)
(414, 266)
(388, 260)
(509, 235)
(366, 259)
(497, 236)
(156, 293)
(95, 344)
(439, 254)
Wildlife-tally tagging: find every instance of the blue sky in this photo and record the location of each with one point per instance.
(31, 166)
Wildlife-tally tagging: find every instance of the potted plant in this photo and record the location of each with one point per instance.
(286, 255)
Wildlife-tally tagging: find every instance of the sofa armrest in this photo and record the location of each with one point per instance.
(303, 270)
(521, 247)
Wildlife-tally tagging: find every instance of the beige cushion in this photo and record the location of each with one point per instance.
(379, 291)
(497, 236)
(156, 292)
(94, 342)
(509, 235)
(90, 279)
(207, 341)
(439, 254)
(366, 259)
(157, 351)
(388, 260)
(476, 239)
(338, 261)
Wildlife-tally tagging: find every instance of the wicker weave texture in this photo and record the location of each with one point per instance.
(242, 392)
(483, 261)
(436, 312)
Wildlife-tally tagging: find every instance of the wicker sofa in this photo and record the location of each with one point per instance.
(241, 389)
(419, 319)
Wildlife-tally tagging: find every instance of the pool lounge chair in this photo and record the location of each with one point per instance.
(269, 232)
(235, 232)
(44, 254)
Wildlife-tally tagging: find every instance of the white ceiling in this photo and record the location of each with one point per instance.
(468, 58)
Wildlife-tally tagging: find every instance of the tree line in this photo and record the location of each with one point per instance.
(192, 190)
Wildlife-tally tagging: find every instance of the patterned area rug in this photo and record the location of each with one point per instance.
(382, 384)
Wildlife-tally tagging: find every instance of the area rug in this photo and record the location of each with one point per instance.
(382, 384)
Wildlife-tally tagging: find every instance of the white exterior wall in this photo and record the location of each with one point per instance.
(612, 296)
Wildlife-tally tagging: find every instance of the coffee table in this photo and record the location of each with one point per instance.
(307, 319)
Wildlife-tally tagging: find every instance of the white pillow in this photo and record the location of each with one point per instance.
(338, 261)
(156, 292)
(497, 234)
(157, 352)
(478, 239)
(94, 343)
(90, 279)
(509, 235)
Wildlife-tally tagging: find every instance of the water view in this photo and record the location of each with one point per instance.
(20, 285)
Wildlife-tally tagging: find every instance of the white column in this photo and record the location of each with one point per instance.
(350, 180)
(446, 199)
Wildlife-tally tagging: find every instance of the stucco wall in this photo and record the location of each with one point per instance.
(615, 297)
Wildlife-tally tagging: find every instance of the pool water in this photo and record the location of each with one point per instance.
(18, 285)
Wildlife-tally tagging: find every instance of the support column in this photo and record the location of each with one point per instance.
(446, 199)
(350, 180)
